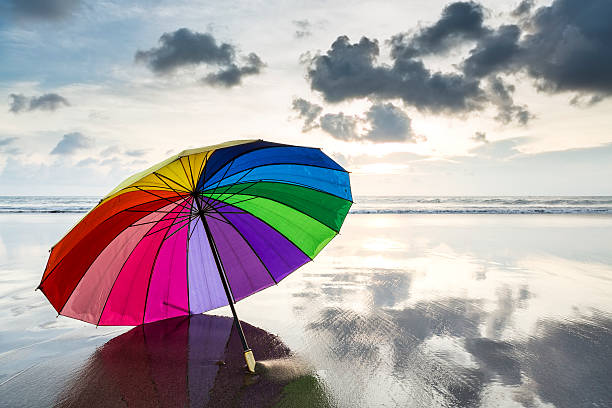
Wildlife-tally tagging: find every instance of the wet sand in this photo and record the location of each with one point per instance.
(399, 310)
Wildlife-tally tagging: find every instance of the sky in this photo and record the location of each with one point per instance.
(413, 97)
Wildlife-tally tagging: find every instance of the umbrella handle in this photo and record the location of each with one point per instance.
(250, 360)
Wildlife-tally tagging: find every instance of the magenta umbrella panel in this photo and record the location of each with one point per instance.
(204, 227)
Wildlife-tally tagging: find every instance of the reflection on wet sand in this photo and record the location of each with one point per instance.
(406, 311)
(186, 362)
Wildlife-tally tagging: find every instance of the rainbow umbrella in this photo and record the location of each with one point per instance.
(200, 230)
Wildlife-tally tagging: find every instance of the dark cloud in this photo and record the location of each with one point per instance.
(348, 71)
(501, 96)
(308, 111)
(571, 48)
(340, 126)
(564, 47)
(71, 143)
(232, 75)
(584, 101)
(18, 103)
(183, 48)
(480, 137)
(49, 102)
(494, 52)
(460, 21)
(523, 8)
(568, 48)
(303, 28)
(388, 124)
(44, 9)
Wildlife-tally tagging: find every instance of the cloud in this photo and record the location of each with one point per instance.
(303, 28)
(49, 102)
(87, 162)
(523, 8)
(18, 103)
(308, 111)
(232, 75)
(6, 146)
(568, 48)
(44, 9)
(5, 141)
(494, 52)
(381, 123)
(501, 96)
(137, 152)
(480, 137)
(184, 48)
(460, 21)
(109, 151)
(388, 124)
(71, 142)
(340, 126)
(348, 71)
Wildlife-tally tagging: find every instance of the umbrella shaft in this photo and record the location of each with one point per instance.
(222, 275)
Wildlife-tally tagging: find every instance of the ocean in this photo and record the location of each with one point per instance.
(418, 302)
(371, 204)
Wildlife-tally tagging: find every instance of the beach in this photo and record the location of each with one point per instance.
(401, 309)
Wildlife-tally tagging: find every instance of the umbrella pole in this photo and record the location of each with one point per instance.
(248, 353)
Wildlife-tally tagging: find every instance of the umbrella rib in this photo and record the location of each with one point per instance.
(203, 167)
(237, 202)
(194, 228)
(282, 164)
(256, 217)
(144, 311)
(193, 185)
(213, 217)
(281, 203)
(117, 277)
(85, 273)
(182, 222)
(246, 152)
(182, 197)
(226, 170)
(187, 262)
(232, 185)
(101, 222)
(250, 246)
(153, 222)
(159, 176)
(184, 169)
(272, 181)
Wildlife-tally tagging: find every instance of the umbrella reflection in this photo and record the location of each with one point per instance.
(186, 361)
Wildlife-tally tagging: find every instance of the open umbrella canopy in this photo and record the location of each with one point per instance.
(197, 230)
